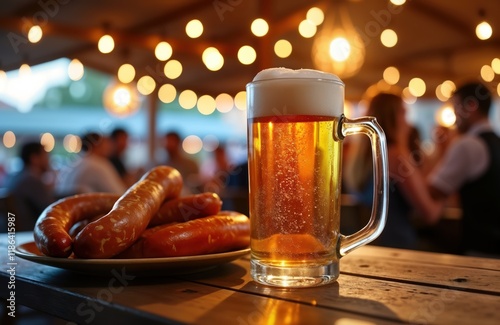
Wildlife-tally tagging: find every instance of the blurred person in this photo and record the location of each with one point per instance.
(408, 194)
(119, 143)
(470, 167)
(93, 172)
(215, 171)
(29, 193)
(177, 159)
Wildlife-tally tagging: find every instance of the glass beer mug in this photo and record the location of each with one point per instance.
(295, 131)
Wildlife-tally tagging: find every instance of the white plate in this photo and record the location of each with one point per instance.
(138, 267)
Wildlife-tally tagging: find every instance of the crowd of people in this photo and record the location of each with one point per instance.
(467, 165)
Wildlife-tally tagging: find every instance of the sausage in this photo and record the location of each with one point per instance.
(52, 227)
(213, 234)
(187, 208)
(130, 215)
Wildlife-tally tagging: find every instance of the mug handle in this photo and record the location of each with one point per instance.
(370, 127)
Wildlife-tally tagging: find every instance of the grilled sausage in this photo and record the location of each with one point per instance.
(52, 227)
(213, 234)
(130, 215)
(187, 208)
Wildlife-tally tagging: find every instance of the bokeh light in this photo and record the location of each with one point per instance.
(259, 27)
(224, 103)
(167, 93)
(173, 69)
(192, 144)
(47, 141)
(188, 99)
(126, 73)
(9, 139)
(146, 85)
(194, 28)
(283, 48)
(163, 51)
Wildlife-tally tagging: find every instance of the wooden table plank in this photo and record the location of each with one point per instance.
(158, 300)
(427, 257)
(375, 286)
(416, 272)
(382, 299)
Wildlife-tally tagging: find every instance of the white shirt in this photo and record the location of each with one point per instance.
(91, 174)
(466, 160)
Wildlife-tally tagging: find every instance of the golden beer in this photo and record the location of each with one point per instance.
(294, 165)
(295, 132)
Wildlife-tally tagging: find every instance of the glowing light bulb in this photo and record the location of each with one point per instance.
(106, 44)
(35, 34)
(340, 49)
(483, 30)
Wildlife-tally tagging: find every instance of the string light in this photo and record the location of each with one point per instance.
(391, 75)
(484, 30)
(247, 55)
(240, 101)
(337, 47)
(213, 59)
(126, 73)
(495, 65)
(106, 44)
(224, 102)
(47, 141)
(417, 87)
(24, 70)
(172, 69)
(188, 99)
(35, 34)
(283, 48)
(206, 104)
(259, 27)
(307, 28)
(163, 51)
(315, 15)
(76, 70)
(487, 73)
(146, 85)
(167, 93)
(9, 139)
(194, 28)
(445, 116)
(72, 143)
(192, 144)
(121, 99)
(398, 2)
(389, 38)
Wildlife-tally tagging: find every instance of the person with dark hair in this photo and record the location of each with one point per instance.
(471, 168)
(177, 159)
(29, 193)
(119, 143)
(93, 172)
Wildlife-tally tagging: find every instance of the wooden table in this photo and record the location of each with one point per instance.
(376, 286)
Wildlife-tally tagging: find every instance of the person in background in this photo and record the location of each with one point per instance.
(119, 143)
(215, 171)
(188, 167)
(471, 167)
(93, 171)
(408, 194)
(29, 193)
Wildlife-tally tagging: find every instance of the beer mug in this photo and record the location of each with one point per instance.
(295, 131)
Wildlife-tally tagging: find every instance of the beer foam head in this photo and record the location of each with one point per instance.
(281, 91)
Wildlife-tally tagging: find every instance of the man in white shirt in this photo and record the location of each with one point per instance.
(471, 167)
